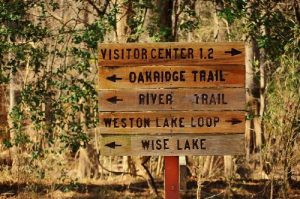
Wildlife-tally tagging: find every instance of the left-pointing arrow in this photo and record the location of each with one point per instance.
(234, 121)
(114, 99)
(113, 145)
(113, 78)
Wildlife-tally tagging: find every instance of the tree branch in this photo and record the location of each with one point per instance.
(152, 182)
(99, 11)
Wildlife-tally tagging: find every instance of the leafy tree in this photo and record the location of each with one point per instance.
(54, 69)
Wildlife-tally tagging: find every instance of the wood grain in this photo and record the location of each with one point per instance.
(182, 76)
(182, 53)
(172, 122)
(172, 145)
(172, 99)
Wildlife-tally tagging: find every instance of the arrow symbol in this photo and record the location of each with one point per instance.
(114, 99)
(233, 52)
(113, 145)
(113, 78)
(234, 121)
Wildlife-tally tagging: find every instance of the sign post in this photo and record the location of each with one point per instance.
(171, 177)
(172, 99)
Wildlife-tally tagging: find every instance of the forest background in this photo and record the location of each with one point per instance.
(48, 112)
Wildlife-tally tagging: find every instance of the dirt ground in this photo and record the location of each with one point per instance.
(139, 189)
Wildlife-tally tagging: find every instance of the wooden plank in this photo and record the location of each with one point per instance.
(172, 99)
(172, 122)
(171, 76)
(171, 53)
(172, 145)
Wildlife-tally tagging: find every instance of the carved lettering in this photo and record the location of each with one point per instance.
(210, 99)
(153, 98)
(208, 76)
(204, 121)
(157, 76)
(167, 122)
(157, 144)
(191, 144)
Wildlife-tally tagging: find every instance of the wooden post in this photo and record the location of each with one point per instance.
(171, 177)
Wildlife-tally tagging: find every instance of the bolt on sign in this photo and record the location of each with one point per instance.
(172, 98)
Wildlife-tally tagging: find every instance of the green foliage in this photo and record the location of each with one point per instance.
(111, 17)
(184, 16)
(282, 117)
(189, 19)
(233, 10)
(284, 94)
(263, 21)
(55, 70)
(16, 33)
(7, 144)
(53, 67)
(92, 34)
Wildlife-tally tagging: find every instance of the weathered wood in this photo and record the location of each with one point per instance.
(171, 76)
(172, 99)
(172, 145)
(133, 54)
(164, 122)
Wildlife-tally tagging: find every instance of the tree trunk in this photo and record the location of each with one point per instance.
(249, 53)
(251, 89)
(219, 29)
(12, 103)
(164, 15)
(258, 125)
(88, 160)
(88, 153)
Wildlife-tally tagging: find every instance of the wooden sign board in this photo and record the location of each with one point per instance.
(171, 53)
(171, 76)
(175, 122)
(172, 98)
(171, 145)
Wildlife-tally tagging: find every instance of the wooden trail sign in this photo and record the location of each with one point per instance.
(171, 76)
(175, 122)
(172, 99)
(171, 53)
(172, 95)
(173, 145)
